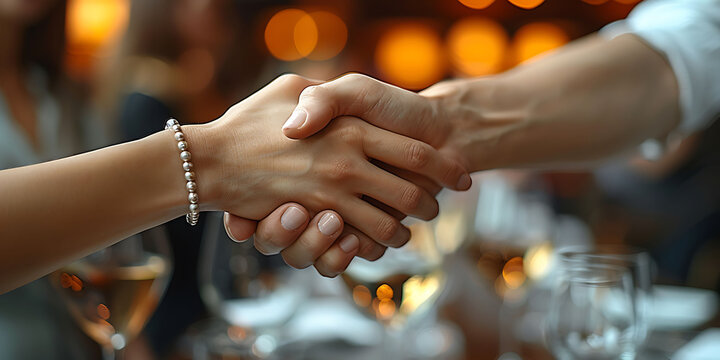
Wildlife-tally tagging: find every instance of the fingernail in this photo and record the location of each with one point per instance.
(329, 224)
(349, 243)
(464, 182)
(296, 119)
(226, 216)
(292, 218)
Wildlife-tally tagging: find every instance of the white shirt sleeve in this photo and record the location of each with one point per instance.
(687, 33)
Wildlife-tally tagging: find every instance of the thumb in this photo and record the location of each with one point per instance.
(383, 105)
(318, 102)
(237, 228)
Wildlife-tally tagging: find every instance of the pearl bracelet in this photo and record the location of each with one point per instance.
(194, 214)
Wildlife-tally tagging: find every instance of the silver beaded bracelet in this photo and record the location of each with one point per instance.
(194, 214)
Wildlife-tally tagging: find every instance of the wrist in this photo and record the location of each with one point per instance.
(204, 142)
(484, 115)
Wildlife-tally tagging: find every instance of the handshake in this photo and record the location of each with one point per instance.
(355, 155)
(323, 172)
(369, 155)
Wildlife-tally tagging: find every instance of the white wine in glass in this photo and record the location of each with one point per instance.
(112, 293)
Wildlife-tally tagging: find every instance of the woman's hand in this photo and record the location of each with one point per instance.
(287, 231)
(246, 166)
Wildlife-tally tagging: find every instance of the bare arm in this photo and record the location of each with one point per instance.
(55, 212)
(590, 100)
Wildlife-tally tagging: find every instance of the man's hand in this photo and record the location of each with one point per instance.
(419, 116)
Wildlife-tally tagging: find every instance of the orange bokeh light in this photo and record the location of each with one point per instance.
(537, 38)
(384, 292)
(526, 4)
(92, 24)
(291, 34)
(477, 4)
(73, 282)
(361, 296)
(477, 46)
(384, 309)
(332, 35)
(513, 273)
(103, 311)
(410, 55)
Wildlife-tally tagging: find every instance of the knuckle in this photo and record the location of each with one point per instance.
(451, 173)
(291, 81)
(288, 79)
(315, 91)
(355, 77)
(386, 229)
(411, 197)
(417, 154)
(348, 130)
(341, 169)
(368, 92)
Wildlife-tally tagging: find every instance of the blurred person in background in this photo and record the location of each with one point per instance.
(42, 117)
(191, 60)
(650, 82)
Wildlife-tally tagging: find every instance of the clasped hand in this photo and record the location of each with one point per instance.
(337, 194)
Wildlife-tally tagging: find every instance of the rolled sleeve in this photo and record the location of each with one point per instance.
(687, 33)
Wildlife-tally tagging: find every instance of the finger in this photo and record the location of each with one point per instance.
(416, 156)
(377, 225)
(430, 186)
(281, 228)
(369, 249)
(387, 209)
(378, 103)
(237, 228)
(337, 258)
(324, 228)
(397, 193)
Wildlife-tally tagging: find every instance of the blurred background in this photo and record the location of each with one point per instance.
(483, 281)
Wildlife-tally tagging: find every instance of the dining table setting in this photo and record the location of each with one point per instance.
(497, 275)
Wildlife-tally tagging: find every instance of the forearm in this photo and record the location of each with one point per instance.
(590, 100)
(58, 211)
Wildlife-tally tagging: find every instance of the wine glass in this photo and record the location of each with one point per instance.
(112, 292)
(637, 262)
(254, 293)
(400, 287)
(592, 313)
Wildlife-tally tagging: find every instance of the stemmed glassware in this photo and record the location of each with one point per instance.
(638, 264)
(112, 293)
(593, 313)
(399, 288)
(253, 293)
